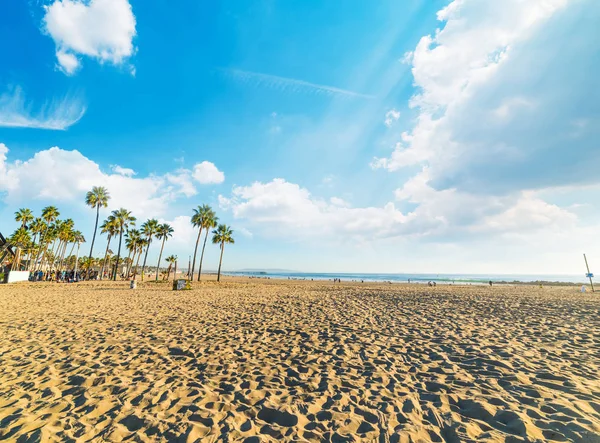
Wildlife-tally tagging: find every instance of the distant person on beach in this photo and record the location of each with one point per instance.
(491, 283)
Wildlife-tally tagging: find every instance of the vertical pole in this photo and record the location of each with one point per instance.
(175, 273)
(589, 273)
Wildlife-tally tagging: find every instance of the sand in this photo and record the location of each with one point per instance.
(259, 360)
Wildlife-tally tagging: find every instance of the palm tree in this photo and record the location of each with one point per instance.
(20, 240)
(132, 245)
(76, 238)
(223, 234)
(171, 259)
(197, 223)
(209, 221)
(149, 229)
(24, 216)
(49, 215)
(109, 227)
(163, 233)
(123, 219)
(65, 235)
(141, 243)
(96, 198)
(37, 227)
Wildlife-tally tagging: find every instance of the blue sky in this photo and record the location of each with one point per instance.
(414, 136)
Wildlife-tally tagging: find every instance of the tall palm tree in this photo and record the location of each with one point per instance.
(132, 245)
(24, 216)
(149, 229)
(49, 215)
(198, 222)
(163, 233)
(37, 227)
(110, 228)
(96, 198)
(141, 243)
(171, 259)
(223, 234)
(209, 221)
(123, 219)
(65, 235)
(79, 238)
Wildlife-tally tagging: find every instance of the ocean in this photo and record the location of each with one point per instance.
(417, 278)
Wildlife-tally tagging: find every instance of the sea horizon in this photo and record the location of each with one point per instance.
(448, 278)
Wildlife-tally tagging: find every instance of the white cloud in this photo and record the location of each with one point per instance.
(184, 234)
(58, 175)
(101, 29)
(207, 173)
(58, 114)
(286, 209)
(67, 62)
(182, 180)
(281, 208)
(123, 171)
(500, 89)
(466, 214)
(495, 116)
(336, 201)
(391, 116)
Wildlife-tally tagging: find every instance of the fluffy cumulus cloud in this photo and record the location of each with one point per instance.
(207, 173)
(281, 208)
(507, 108)
(127, 172)
(57, 114)
(506, 97)
(101, 29)
(57, 175)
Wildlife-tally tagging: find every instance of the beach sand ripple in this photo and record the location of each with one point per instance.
(253, 361)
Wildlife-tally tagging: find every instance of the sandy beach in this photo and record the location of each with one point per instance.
(264, 360)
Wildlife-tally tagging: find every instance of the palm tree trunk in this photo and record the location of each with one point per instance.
(93, 240)
(71, 252)
(202, 255)
(40, 247)
(61, 251)
(136, 264)
(168, 271)
(160, 256)
(195, 251)
(220, 260)
(118, 254)
(45, 248)
(105, 258)
(131, 266)
(31, 253)
(146, 257)
(15, 264)
(128, 265)
(54, 255)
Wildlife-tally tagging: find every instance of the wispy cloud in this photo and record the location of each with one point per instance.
(57, 114)
(289, 84)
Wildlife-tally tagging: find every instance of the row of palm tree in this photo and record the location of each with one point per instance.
(204, 218)
(122, 224)
(52, 238)
(35, 235)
